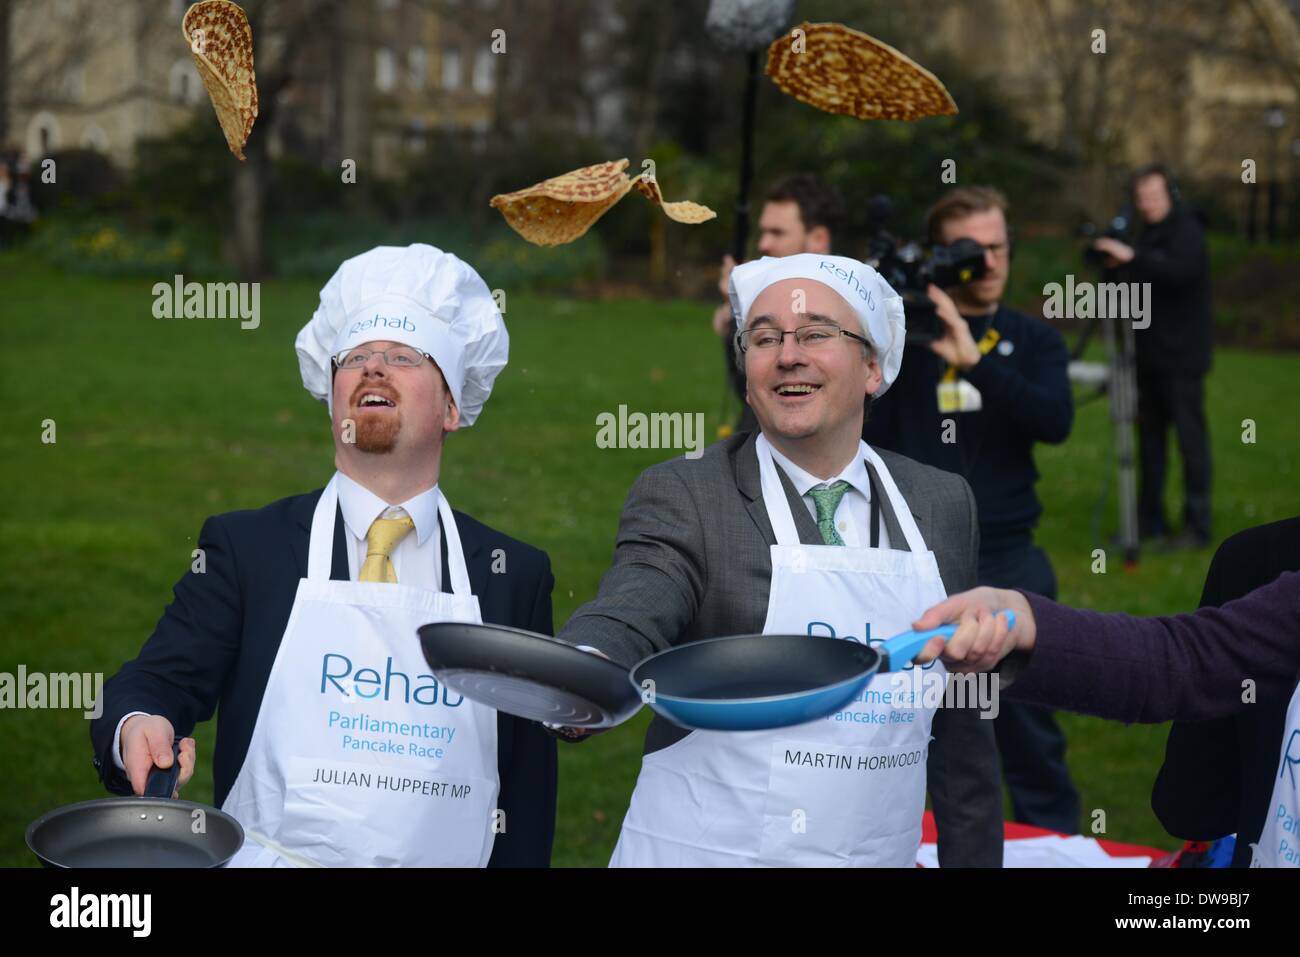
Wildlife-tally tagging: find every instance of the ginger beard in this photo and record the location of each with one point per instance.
(403, 413)
(377, 427)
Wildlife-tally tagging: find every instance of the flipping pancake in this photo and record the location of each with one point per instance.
(841, 70)
(221, 42)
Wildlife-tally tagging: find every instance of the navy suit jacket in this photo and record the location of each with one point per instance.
(217, 640)
(1218, 775)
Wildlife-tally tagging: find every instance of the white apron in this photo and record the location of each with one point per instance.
(1279, 842)
(846, 790)
(359, 756)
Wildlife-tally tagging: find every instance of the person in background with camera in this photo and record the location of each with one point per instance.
(801, 214)
(974, 399)
(1173, 352)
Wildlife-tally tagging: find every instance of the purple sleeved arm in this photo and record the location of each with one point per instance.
(1189, 667)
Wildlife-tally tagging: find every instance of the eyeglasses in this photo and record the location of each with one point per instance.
(811, 336)
(401, 357)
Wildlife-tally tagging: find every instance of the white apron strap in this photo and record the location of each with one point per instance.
(320, 550)
(902, 513)
(297, 860)
(774, 500)
(456, 569)
(778, 506)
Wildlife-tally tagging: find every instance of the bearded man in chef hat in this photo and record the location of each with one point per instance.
(415, 297)
(303, 628)
(800, 528)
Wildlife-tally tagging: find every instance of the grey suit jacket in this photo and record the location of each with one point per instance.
(692, 561)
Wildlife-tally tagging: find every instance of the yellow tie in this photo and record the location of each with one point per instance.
(382, 538)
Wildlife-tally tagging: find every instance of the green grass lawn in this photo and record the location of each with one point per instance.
(161, 423)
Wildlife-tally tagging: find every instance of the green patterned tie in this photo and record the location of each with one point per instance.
(827, 500)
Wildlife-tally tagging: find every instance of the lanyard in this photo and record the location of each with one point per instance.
(985, 345)
(875, 510)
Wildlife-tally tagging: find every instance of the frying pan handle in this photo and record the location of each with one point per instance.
(162, 781)
(903, 648)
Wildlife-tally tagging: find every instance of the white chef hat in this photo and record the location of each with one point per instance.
(877, 306)
(416, 295)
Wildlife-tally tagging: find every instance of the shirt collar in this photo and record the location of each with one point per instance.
(855, 473)
(362, 506)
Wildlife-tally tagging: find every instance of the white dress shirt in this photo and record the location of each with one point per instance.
(853, 514)
(417, 558)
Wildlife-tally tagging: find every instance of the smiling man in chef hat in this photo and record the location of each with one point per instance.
(303, 626)
(800, 528)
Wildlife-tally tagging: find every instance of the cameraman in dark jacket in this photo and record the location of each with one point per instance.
(975, 401)
(1173, 351)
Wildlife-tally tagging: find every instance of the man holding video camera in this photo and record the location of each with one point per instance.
(975, 393)
(1173, 352)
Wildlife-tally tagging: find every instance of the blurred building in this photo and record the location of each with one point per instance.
(362, 79)
(1198, 85)
(97, 76)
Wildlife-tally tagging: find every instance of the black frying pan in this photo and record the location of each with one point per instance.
(529, 675)
(148, 831)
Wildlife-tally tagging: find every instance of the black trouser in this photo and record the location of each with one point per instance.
(1177, 399)
(1030, 741)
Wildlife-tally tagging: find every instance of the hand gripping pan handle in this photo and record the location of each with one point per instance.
(161, 782)
(901, 649)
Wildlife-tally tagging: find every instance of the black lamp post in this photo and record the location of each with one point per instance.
(746, 26)
(1274, 120)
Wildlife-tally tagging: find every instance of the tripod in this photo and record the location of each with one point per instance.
(1117, 379)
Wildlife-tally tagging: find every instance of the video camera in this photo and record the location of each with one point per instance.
(1119, 227)
(909, 268)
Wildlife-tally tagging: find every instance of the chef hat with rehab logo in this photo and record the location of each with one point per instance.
(419, 296)
(877, 306)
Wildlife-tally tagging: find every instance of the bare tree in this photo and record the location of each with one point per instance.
(6, 77)
(284, 32)
(1139, 87)
(1279, 25)
(34, 69)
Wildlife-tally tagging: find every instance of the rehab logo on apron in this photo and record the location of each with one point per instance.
(1279, 842)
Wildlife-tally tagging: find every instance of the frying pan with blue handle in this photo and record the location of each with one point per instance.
(740, 683)
(743, 684)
